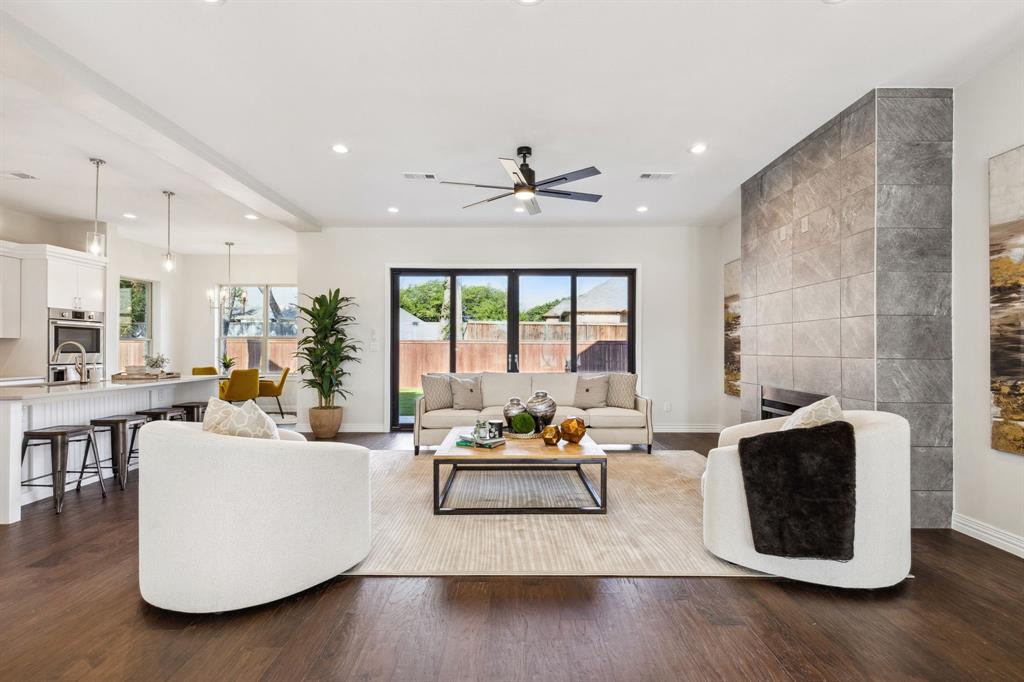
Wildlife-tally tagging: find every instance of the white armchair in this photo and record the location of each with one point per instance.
(226, 522)
(881, 547)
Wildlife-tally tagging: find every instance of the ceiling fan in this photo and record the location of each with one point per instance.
(526, 189)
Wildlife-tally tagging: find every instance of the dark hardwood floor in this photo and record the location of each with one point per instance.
(70, 609)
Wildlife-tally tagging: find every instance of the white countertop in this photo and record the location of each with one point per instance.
(75, 390)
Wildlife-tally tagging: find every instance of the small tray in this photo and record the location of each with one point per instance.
(522, 436)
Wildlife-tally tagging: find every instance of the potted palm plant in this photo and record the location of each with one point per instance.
(324, 351)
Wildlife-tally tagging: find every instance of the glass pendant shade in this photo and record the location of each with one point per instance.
(169, 262)
(95, 243)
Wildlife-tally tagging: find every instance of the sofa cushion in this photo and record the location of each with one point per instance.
(622, 390)
(437, 391)
(561, 387)
(498, 387)
(565, 411)
(247, 421)
(592, 392)
(466, 393)
(616, 417)
(446, 419)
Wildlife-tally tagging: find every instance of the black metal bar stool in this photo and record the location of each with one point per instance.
(193, 411)
(163, 414)
(118, 427)
(59, 438)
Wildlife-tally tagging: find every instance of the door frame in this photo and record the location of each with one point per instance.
(394, 273)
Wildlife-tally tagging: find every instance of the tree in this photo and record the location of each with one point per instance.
(425, 300)
(484, 302)
(536, 313)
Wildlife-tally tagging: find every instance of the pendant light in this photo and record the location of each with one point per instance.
(168, 257)
(219, 300)
(96, 241)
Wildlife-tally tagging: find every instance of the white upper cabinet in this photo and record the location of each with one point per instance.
(10, 297)
(74, 285)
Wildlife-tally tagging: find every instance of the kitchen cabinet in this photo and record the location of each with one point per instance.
(74, 285)
(10, 297)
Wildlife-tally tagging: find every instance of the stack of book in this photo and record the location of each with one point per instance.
(468, 440)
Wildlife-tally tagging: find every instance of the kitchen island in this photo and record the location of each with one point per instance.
(37, 406)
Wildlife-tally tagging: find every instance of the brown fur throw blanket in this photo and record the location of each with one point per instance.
(801, 489)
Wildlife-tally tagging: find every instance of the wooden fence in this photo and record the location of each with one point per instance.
(543, 347)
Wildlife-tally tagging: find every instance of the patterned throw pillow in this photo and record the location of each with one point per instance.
(824, 411)
(622, 391)
(437, 392)
(247, 421)
(591, 392)
(466, 393)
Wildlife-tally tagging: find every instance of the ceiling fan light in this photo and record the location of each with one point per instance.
(525, 193)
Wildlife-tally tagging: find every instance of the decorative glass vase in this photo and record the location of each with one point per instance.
(542, 407)
(513, 407)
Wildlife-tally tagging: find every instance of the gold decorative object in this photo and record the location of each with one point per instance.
(551, 435)
(573, 429)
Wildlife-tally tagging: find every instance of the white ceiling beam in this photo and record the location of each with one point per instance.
(29, 58)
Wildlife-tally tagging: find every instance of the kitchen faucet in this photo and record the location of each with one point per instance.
(83, 375)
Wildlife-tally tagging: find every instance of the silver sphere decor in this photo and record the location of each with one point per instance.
(513, 407)
(542, 407)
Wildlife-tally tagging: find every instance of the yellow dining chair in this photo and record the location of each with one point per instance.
(204, 371)
(242, 385)
(268, 389)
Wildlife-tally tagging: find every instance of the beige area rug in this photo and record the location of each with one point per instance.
(652, 528)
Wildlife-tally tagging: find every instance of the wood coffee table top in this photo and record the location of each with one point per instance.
(518, 448)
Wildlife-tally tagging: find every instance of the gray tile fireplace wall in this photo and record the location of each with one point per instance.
(840, 298)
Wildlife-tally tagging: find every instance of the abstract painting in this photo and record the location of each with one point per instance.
(1006, 298)
(732, 327)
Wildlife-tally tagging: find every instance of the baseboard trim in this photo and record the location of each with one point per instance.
(989, 534)
(347, 428)
(687, 428)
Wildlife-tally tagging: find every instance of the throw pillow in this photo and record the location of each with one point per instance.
(247, 421)
(466, 394)
(437, 392)
(622, 391)
(591, 392)
(824, 411)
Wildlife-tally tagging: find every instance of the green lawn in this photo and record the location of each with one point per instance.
(407, 401)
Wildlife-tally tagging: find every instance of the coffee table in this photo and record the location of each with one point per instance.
(520, 455)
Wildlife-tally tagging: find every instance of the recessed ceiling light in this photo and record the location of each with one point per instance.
(832, 2)
(129, 216)
(251, 216)
(698, 148)
(641, 209)
(340, 148)
(214, 2)
(528, 3)
(392, 209)
(519, 209)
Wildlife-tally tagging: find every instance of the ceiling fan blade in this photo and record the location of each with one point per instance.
(569, 177)
(532, 207)
(512, 168)
(473, 184)
(578, 196)
(485, 201)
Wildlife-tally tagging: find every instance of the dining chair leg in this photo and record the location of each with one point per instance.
(279, 408)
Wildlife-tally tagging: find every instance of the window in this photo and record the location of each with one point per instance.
(135, 321)
(260, 327)
(557, 320)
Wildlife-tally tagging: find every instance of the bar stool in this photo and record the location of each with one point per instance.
(118, 427)
(193, 411)
(163, 414)
(59, 438)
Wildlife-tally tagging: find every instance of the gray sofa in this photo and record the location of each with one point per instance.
(606, 425)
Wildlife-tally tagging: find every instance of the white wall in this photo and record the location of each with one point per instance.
(128, 258)
(988, 485)
(676, 292)
(728, 250)
(26, 228)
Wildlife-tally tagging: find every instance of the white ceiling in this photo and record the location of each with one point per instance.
(449, 86)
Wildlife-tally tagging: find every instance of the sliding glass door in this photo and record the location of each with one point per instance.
(507, 321)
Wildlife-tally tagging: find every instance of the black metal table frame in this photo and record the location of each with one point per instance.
(499, 463)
